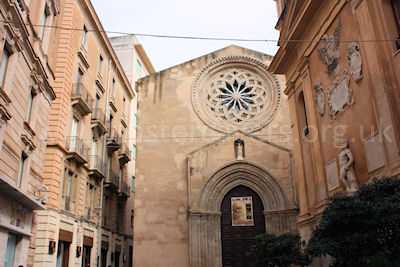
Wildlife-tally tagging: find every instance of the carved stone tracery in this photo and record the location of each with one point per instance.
(236, 93)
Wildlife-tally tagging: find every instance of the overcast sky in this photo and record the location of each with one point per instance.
(251, 19)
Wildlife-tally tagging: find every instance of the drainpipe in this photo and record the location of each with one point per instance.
(103, 157)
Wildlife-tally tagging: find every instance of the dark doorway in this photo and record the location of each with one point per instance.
(238, 229)
(86, 256)
(63, 254)
(117, 254)
(103, 257)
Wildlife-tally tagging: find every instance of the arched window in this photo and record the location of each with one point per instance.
(303, 120)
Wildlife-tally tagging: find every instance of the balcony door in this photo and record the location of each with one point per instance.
(74, 133)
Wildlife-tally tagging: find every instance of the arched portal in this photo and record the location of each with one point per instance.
(205, 217)
(242, 218)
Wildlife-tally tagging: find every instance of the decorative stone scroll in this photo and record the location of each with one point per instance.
(355, 61)
(339, 95)
(319, 99)
(329, 53)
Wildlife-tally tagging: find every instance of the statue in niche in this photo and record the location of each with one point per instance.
(329, 53)
(239, 149)
(346, 165)
(319, 99)
(355, 61)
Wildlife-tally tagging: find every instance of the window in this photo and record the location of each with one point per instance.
(112, 87)
(21, 169)
(123, 105)
(119, 217)
(44, 20)
(68, 188)
(131, 218)
(90, 197)
(138, 66)
(134, 152)
(133, 184)
(79, 76)
(106, 203)
(303, 115)
(135, 121)
(3, 65)
(100, 63)
(96, 104)
(28, 114)
(396, 13)
(84, 35)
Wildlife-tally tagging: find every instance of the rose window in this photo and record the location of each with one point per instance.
(236, 98)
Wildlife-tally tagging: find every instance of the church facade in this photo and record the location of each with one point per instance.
(214, 161)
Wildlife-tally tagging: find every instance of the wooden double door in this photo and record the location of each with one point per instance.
(242, 219)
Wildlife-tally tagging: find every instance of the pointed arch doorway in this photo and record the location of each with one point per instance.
(205, 215)
(242, 218)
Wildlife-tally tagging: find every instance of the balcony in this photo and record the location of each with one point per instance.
(124, 154)
(81, 99)
(112, 180)
(99, 121)
(77, 149)
(97, 168)
(114, 140)
(124, 190)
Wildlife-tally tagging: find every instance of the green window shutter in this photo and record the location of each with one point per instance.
(133, 183)
(134, 152)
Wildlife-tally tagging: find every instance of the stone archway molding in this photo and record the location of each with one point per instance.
(204, 217)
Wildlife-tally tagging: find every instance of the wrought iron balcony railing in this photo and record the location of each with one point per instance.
(124, 154)
(77, 149)
(97, 167)
(81, 98)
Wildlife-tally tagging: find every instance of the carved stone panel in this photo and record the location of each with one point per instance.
(374, 153)
(331, 172)
(339, 95)
(319, 99)
(355, 61)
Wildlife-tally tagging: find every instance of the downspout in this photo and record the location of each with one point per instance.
(103, 157)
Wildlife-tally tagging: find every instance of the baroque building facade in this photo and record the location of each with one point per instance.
(343, 93)
(26, 95)
(87, 153)
(214, 161)
(136, 65)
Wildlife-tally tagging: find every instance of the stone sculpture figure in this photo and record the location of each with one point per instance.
(346, 165)
(355, 61)
(329, 53)
(239, 151)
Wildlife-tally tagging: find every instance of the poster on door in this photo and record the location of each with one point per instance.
(242, 211)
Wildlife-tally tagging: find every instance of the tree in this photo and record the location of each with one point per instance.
(362, 229)
(271, 251)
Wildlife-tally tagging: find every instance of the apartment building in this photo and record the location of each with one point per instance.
(136, 65)
(87, 152)
(26, 94)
